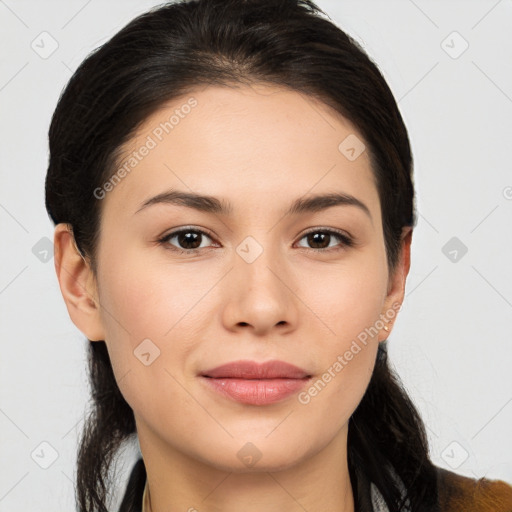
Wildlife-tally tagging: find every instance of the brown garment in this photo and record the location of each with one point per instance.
(458, 493)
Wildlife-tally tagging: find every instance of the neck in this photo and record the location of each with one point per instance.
(176, 481)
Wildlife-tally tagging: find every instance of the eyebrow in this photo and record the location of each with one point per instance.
(210, 204)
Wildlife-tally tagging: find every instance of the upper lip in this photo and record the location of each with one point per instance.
(253, 370)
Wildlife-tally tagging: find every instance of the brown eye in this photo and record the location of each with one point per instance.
(185, 240)
(321, 239)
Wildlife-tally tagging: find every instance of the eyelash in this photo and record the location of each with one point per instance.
(345, 239)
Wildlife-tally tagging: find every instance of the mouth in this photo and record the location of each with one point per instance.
(253, 383)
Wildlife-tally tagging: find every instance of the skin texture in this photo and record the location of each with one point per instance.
(260, 148)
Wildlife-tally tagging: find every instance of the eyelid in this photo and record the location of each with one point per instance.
(336, 231)
(176, 231)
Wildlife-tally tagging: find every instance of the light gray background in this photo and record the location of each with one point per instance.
(452, 341)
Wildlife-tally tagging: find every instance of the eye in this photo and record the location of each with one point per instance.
(321, 239)
(188, 240)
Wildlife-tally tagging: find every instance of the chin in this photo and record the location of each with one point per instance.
(253, 456)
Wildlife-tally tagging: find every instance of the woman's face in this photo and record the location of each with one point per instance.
(258, 287)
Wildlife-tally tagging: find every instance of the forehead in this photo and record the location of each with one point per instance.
(259, 145)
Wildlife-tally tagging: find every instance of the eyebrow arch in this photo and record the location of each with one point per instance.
(210, 204)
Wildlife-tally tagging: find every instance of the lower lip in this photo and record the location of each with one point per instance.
(256, 392)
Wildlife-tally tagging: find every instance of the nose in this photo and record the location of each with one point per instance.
(258, 293)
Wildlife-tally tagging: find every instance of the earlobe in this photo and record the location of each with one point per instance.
(77, 284)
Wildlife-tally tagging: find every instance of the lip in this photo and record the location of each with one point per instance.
(253, 370)
(255, 383)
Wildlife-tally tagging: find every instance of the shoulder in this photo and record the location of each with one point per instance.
(459, 493)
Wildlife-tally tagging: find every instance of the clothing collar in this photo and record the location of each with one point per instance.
(378, 503)
(145, 498)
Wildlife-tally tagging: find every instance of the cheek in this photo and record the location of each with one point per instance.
(346, 298)
(152, 316)
(144, 299)
(347, 303)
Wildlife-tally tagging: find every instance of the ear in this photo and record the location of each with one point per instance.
(77, 284)
(396, 284)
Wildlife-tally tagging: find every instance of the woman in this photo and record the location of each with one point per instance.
(231, 184)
